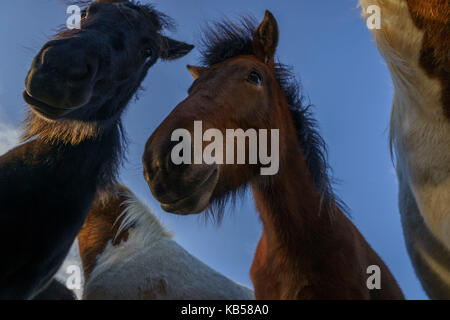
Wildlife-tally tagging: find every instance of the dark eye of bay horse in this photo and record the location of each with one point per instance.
(87, 73)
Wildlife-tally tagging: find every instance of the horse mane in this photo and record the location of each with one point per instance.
(160, 20)
(226, 39)
(64, 134)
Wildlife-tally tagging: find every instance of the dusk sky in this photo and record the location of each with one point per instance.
(341, 71)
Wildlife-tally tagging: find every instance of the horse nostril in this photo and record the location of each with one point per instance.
(171, 166)
(147, 173)
(79, 73)
(69, 60)
(151, 165)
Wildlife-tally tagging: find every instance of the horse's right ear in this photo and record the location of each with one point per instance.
(195, 71)
(265, 39)
(172, 49)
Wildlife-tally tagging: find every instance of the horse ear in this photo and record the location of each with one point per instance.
(195, 71)
(109, 1)
(173, 49)
(265, 39)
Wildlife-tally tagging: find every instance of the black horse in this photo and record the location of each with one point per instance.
(55, 291)
(77, 88)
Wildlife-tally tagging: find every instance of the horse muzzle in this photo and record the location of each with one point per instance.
(181, 189)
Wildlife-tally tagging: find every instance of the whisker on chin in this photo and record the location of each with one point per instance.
(216, 209)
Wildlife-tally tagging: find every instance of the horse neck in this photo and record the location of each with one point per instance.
(290, 207)
(298, 250)
(95, 157)
(309, 249)
(416, 50)
(100, 227)
(117, 218)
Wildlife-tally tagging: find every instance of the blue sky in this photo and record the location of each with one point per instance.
(342, 73)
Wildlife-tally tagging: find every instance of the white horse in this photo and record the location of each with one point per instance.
(127, 254)
(414, 40)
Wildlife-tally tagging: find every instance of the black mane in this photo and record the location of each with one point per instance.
(160, 20)
(225, 40)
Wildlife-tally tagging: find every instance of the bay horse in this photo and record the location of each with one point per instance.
(414, 41)
(309, 249)
(128, 255)
(77, 89)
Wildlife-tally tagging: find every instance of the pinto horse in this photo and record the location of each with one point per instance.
(415, 43)
(128, 255)
(77, 89)
(309, 249)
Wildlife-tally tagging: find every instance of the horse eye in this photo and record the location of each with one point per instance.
(255, 78)
(147, 53)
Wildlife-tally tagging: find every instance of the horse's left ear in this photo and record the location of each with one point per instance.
(173, 49)
(265, 39)
(196, 72)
